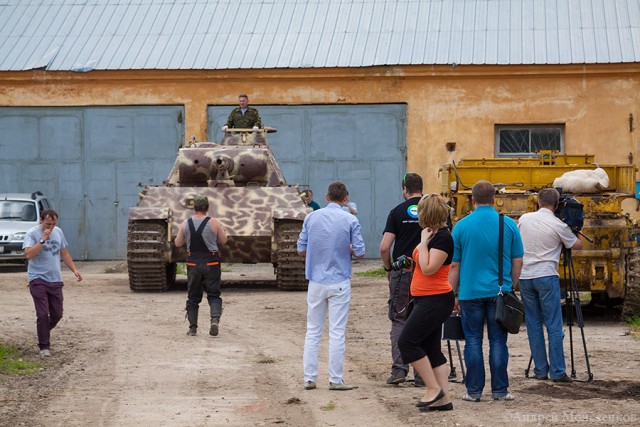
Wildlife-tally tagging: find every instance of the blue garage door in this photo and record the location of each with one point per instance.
(363, 146)
(89, 162)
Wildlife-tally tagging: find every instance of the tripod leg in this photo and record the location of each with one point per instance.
(569, 311)
(568, 289)
(526, 371)
(580, 319)
(452, 371)
(461, 361)
(575, 299)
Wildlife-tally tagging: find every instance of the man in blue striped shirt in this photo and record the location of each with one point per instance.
(328, 238)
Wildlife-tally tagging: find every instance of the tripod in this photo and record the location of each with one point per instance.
(453, 376)
(572, 307)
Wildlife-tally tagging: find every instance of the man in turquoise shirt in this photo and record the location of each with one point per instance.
(474, 276)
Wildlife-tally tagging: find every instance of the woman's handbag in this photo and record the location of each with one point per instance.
(509, 309)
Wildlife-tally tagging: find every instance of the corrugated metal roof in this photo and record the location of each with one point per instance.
(83, 35)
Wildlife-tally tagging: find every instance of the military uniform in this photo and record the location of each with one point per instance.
(250, 118)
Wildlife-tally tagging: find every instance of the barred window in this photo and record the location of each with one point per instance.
(526, 140)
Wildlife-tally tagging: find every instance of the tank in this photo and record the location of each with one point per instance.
(609, 265)
(247, 192)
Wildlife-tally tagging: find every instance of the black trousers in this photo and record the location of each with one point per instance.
(203, 278)
(422, 332)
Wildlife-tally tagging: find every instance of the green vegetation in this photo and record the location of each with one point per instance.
(378, 273)
(634, 324)
(181, 269)
(11, 362)
(329, 406)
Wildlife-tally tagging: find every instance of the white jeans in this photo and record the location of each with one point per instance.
(336, 299)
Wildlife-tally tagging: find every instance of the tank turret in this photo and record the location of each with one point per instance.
(247, 192)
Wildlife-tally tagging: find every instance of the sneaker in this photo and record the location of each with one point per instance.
(540, 377)
(469, 398)
(192, 332)
(309, 385)
(563, 379)
(213, 331)
(45, 352)
(507, 396)
(340, 386)
(398, 376)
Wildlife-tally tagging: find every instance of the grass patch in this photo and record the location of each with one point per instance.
(118, 268)
(181, 268)
(11, 362)
(378, 273)
(634, 324)
(266, 359)
(329, 406)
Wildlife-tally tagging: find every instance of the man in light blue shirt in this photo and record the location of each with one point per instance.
(328, 238)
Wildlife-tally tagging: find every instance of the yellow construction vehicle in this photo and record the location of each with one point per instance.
(609, 265)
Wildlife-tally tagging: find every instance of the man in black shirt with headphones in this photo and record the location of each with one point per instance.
(402, 231)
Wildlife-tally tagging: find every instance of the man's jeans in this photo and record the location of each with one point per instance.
(474, 315)
(541, 298)
(320, 299)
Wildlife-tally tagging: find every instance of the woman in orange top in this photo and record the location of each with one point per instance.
(419, 341)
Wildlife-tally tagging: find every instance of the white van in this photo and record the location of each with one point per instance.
(18, 213)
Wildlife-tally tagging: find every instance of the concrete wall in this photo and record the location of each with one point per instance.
(444, 104)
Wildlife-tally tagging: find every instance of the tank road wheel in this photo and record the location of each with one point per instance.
(631, 305)
(147, 269)
(290, 265)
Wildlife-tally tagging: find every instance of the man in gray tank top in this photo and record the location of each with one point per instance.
(202, 234)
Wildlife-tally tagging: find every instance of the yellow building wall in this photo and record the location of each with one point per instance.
(444, 104)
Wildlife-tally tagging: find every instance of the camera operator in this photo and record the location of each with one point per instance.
(543, 235)
(401, 231)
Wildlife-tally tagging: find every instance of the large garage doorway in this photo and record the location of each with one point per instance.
(89, 162)
(363, 146)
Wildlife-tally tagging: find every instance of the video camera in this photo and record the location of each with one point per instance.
(403, 262)
(571, 212)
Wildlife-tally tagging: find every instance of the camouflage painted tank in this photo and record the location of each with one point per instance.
(247, 192)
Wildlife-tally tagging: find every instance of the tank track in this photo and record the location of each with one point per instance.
(631, 305)
(290, 273)
(148, 270)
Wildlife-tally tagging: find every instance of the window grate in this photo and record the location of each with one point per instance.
(527, 140)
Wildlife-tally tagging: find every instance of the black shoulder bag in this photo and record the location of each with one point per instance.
(406, 310)
(509, 309)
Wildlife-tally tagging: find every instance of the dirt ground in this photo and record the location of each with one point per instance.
(121, 358)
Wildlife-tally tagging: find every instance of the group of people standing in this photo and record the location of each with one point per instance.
(450, 270)
(459, 271)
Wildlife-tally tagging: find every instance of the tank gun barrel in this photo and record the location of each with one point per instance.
(224, 166)
(223, 163)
